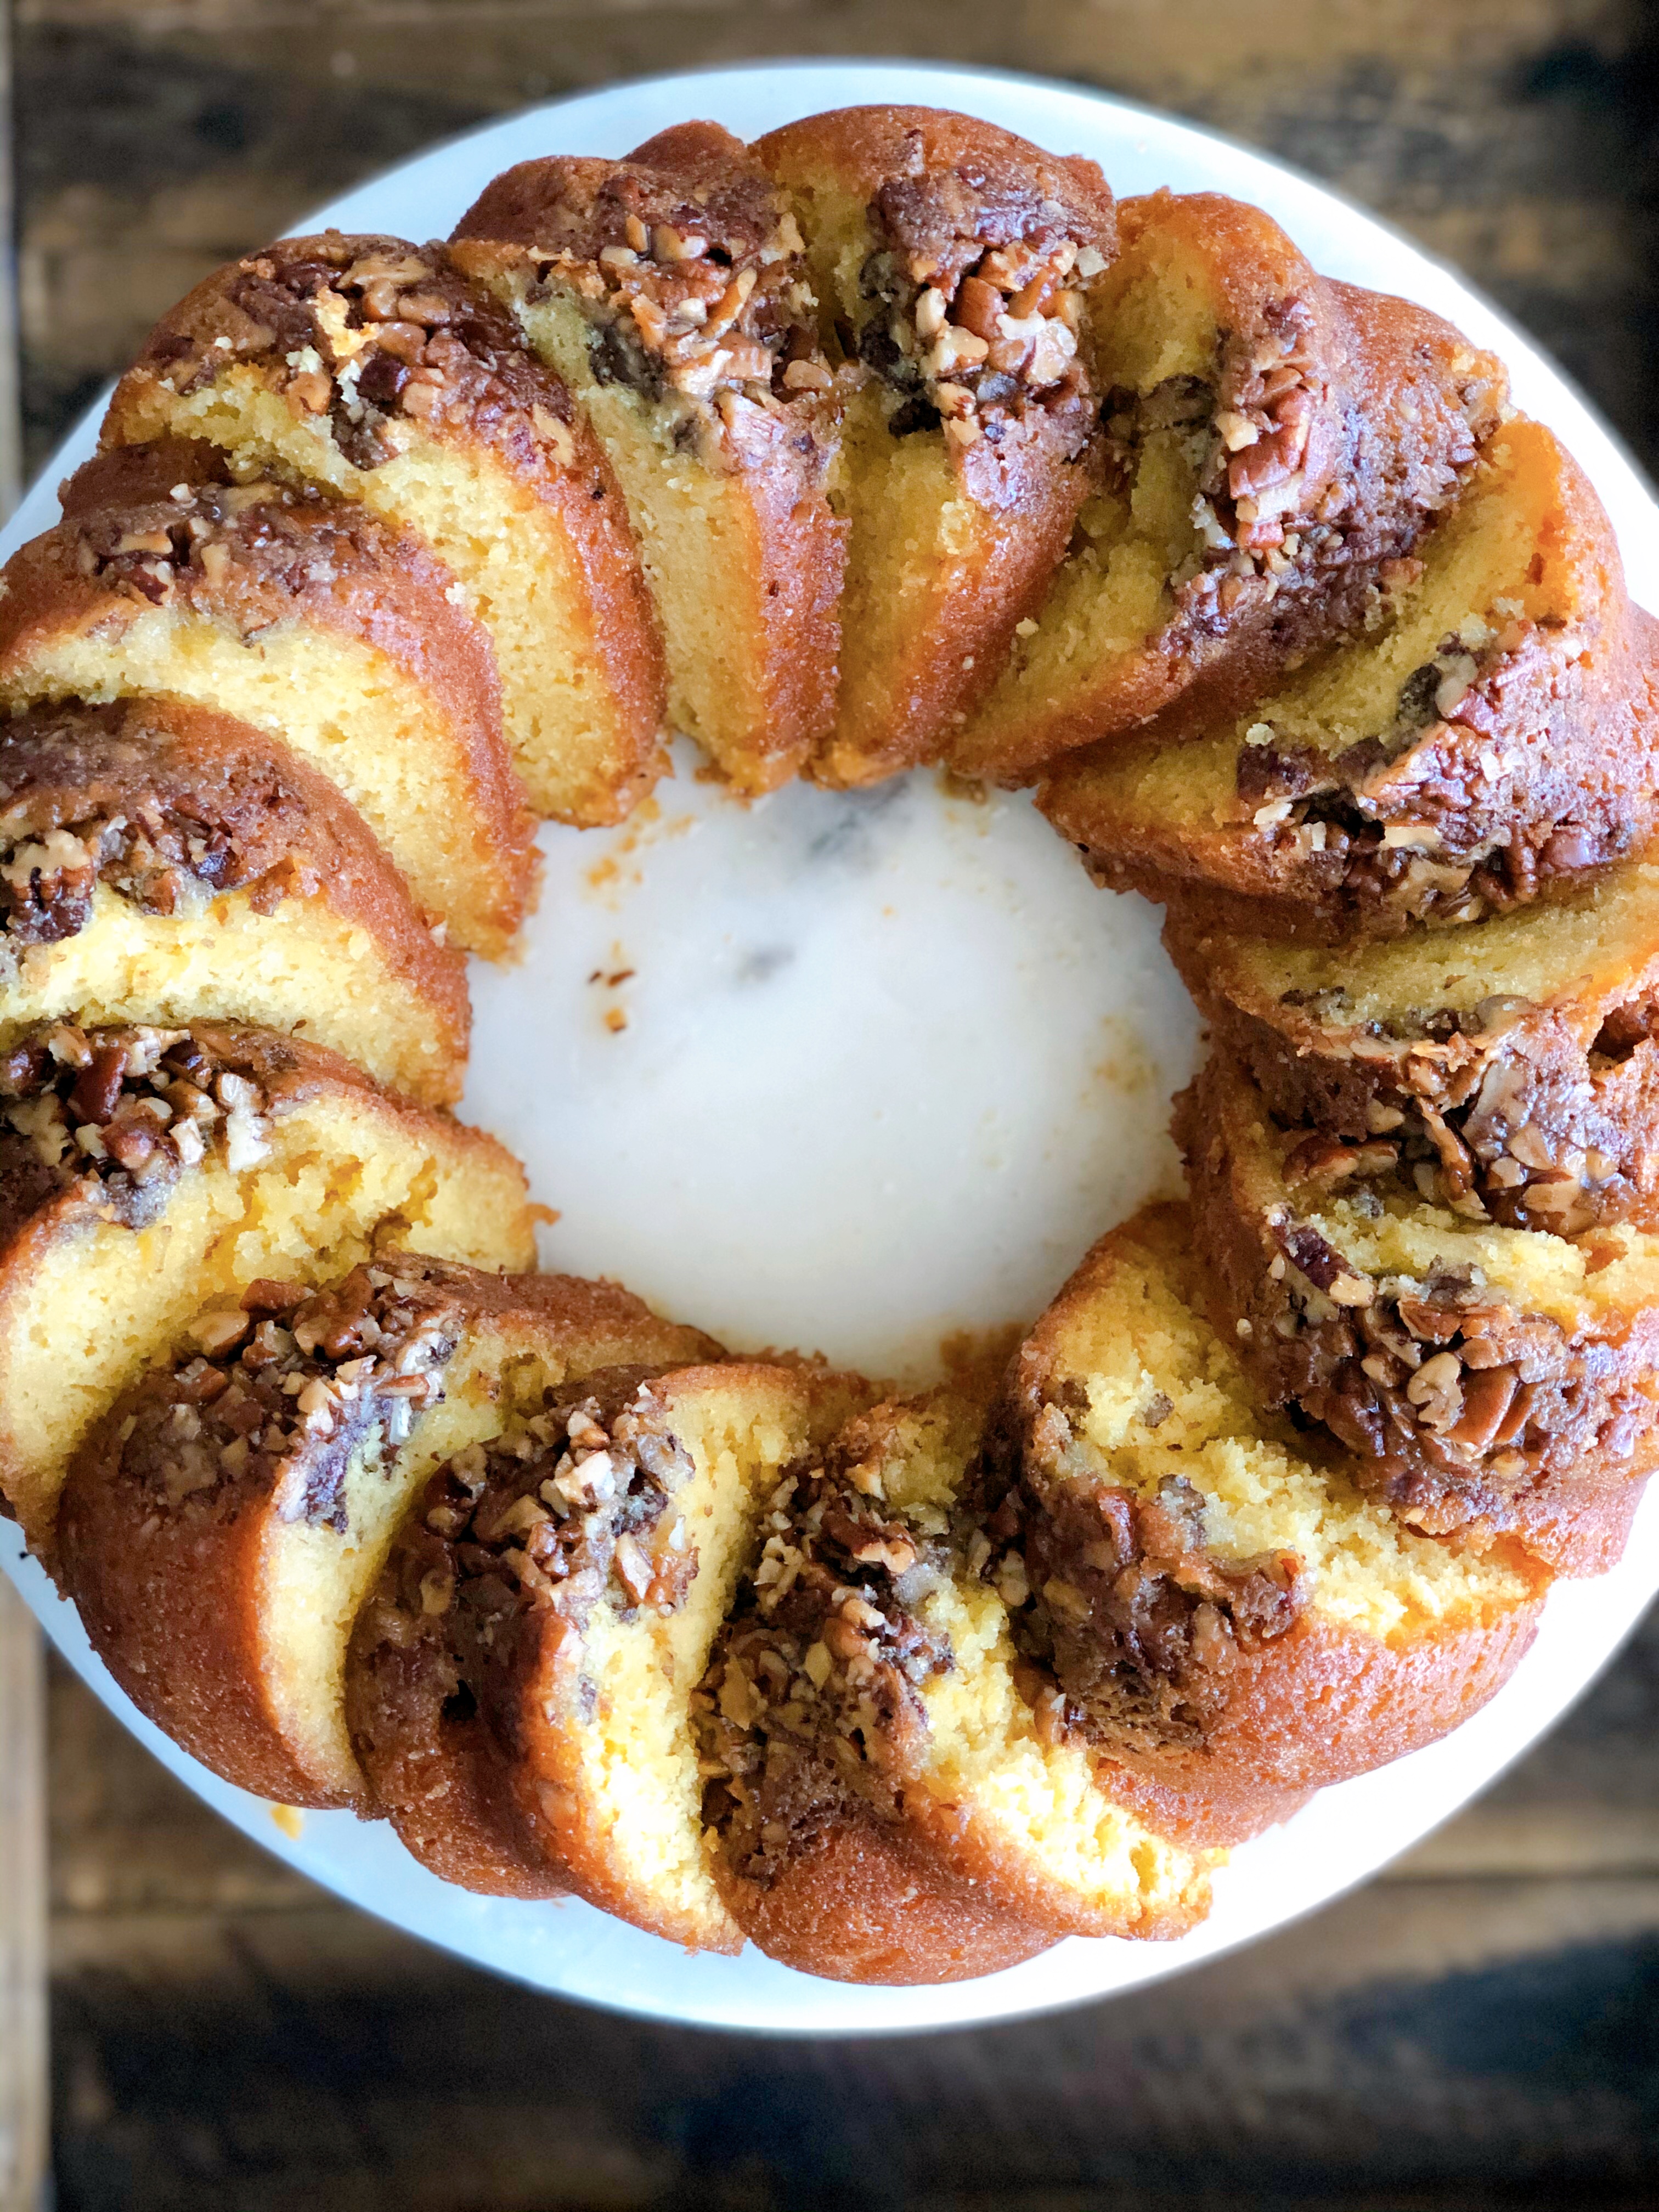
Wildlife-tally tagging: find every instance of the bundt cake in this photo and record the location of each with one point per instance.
(886, 1801)
(1270, 439)
(1514, 1061)
(668, 291)
(373, 369)
(951, 262)
(308, 618)
(1485, 1378)
(161, 863)
(221, 1525)
(886, 440)
(1493, 734)
(519, 1684)
(1211, 1599)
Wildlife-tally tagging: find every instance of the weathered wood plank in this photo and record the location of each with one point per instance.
(23, 2121)
(1492, 2038)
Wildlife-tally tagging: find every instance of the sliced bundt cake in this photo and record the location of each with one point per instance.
(668, 291)
(950, 260)
(306, 617)
(1487, 1378)
(223, 1524)
(145, 1172)
(1210, 1596)
(160, 863)
(373, 368)
(886, 1803)
(520, 1683)
(1270, 438)
(1513, 1062)
(1493, 734)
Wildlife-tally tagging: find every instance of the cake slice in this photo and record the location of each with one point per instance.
(1488, 1380)
(1492, 736)
(373, 369)
(886, 1801)
(520, 1681)
(146, 1172)
(1513, 1061)
(1213, 1600)
(306, 617)
(668, 292)
(225, 1521)
(949, 260)
(1271, 438)
(160, 863)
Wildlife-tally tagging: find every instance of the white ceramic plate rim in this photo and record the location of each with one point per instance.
(1348, 1832)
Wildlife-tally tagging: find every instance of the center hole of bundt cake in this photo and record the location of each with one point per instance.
(854, 1072)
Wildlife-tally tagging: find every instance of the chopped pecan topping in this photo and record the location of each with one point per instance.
(573, 1504)
(812, 1692)
(1453, 1400)
(694, 292)
(205, 541)
(370, 335)
(1427, 816)
(971, 305)
(114, 1116)
(86, 798)
(1132, 1624)
(285, 1393)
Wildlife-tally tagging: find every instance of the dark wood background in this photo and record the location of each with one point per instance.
(1478, 2029)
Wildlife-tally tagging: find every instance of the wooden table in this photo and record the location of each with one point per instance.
(1478, 2029)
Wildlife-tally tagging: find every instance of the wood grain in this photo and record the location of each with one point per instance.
(23, 2123)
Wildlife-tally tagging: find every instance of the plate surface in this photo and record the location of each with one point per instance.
(858, 1073)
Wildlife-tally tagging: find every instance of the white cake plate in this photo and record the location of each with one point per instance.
(856, 1073)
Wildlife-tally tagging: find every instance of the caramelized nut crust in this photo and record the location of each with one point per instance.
(108, 1120)
(1467, 1415)
(172, 807)
(1534, 1112)
(1221, 1687)
(470, 1648)
(162, 526)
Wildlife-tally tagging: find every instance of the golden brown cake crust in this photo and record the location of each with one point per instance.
(1228, 1721)
(1533, 1430)
(1375, 1703)
(490, 1592)
(949, 181)
(164, 802)
(967, 224)
(164, 1524)
(1364, 414)
(249, 557)
(1539, 772)
(811, 1723)
(1545, 1107)
(872, 1904)
(83, 1151)
(745, 374)
(366, 332)
(94, 1074)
